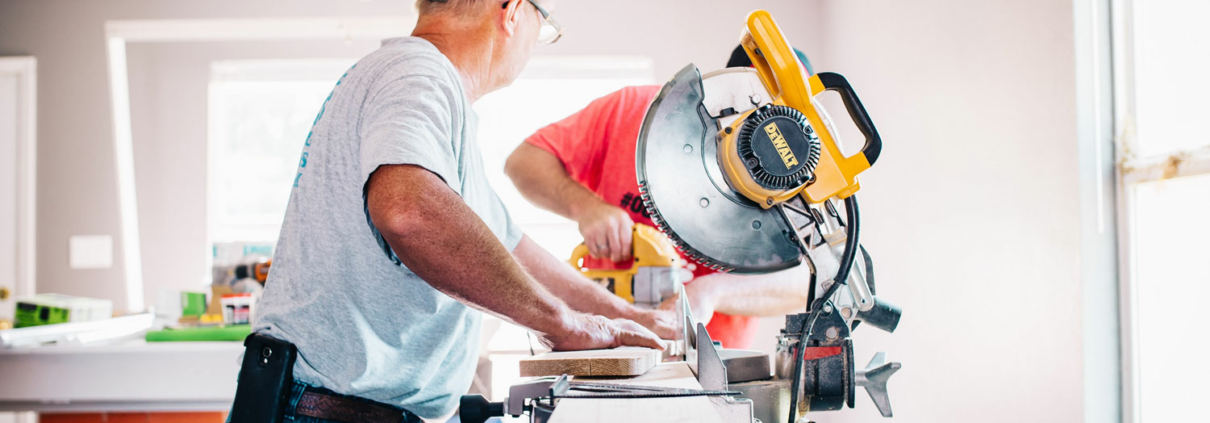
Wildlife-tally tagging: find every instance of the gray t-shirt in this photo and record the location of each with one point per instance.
(364, 324)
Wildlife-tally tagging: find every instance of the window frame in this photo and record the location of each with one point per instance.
(25, 70)
(1132, 169)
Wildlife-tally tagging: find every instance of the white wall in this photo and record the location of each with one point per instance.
(972, 212)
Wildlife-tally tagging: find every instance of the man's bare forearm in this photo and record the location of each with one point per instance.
(438, 237)
(560, 278)
(541, 179)
(773, 294)
(585, 296)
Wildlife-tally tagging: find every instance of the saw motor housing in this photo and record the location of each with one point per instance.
(785, 147)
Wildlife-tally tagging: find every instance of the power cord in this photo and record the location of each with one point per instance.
(842, 277)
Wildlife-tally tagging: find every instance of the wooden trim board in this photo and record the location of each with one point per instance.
(614, 362)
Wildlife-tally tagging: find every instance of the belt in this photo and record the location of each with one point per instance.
(348, 410)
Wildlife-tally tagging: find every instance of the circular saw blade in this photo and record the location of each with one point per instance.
(682, 184)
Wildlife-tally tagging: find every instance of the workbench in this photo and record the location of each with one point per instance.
(201, 376)
(131, 375)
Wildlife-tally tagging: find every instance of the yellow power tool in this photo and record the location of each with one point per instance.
(655, 274)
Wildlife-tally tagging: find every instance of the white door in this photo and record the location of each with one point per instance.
(17, 161)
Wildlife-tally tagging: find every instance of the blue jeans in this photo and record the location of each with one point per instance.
(296, 393)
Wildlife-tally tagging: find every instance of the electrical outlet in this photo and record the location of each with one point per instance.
(92, 252)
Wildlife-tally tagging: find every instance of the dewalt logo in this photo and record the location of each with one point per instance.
(779, 142)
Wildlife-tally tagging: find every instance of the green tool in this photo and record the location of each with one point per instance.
(201, 334)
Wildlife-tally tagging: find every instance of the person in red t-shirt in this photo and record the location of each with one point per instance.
(583, 168)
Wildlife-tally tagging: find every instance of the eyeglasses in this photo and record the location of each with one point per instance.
(551, 30)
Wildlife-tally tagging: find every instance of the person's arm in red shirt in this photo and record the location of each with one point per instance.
(560, 166)
(547, 181)
(542, 179)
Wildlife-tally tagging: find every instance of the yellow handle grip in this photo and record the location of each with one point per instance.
(578, 254)
(617, 281)
(776, 62)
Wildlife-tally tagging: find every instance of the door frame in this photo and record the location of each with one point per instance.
(25, 69)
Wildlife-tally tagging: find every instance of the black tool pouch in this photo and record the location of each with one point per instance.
(265, 380)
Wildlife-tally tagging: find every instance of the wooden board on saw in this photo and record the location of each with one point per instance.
(614, 362)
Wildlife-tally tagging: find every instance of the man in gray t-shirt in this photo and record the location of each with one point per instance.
(394, 241)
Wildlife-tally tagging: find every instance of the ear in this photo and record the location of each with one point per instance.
(510, 16)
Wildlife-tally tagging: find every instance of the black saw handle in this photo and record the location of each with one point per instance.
(873, 143)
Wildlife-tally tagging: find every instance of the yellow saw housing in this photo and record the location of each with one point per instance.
(833, 175)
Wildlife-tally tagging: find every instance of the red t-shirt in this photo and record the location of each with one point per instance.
(597, 147)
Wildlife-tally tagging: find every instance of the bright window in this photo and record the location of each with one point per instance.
(1172, 278)
(1171, 57)
(1164, 154)
(260, 113)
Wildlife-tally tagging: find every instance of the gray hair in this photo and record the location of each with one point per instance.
(433, 5)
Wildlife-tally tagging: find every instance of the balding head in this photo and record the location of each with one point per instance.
(489, 41)
(460, 6)
(437, 6)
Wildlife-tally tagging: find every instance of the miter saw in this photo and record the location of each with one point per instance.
(742, 170)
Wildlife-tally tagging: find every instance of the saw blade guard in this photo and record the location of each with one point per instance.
(682, 183)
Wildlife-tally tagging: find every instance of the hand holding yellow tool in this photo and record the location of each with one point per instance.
(656, 270)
